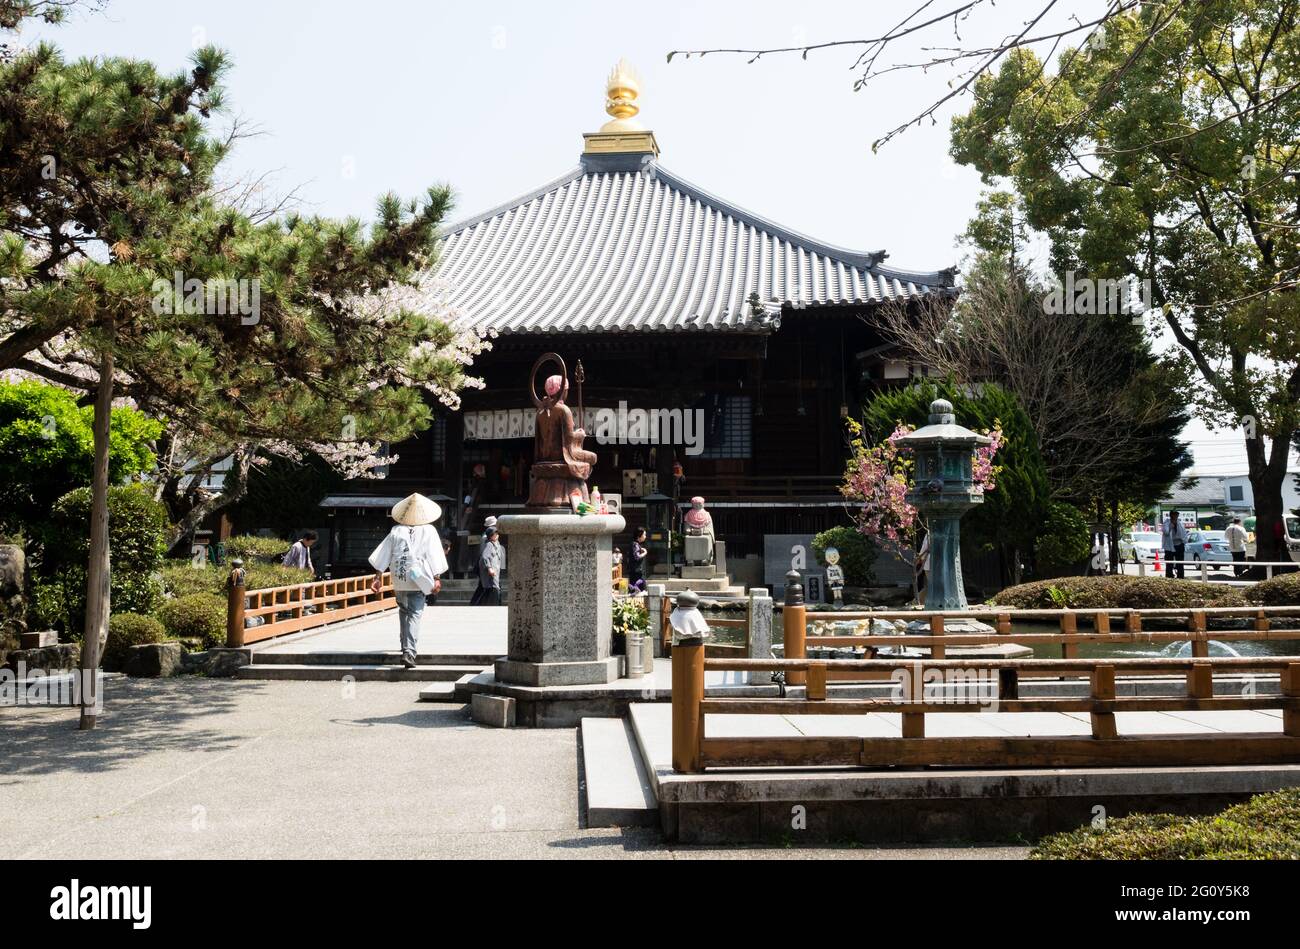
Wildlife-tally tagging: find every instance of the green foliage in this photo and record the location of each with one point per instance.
(138, 530)
(1065, 542)
(1013, 512)
(180, 578)
(857, 554)
(46, 448)
(1283, 590)
(252, 549)
(1266, 827)
(130, 629)
(1119, 592)
(196, 616)
(1167, 155)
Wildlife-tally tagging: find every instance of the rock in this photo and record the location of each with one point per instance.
(216, 663)
(154, 660)
(13, 609)
(12, 567)
(496, 711)
(50, 658)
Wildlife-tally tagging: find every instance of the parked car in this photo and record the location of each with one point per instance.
(1139, 546)
(1292, 535)
(1208, 546)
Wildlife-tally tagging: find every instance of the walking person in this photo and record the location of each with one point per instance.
(412, 552)
(1174, 543)
(299, 555)
(490, 560)
(489, 523)
(1235, 535)
(638, 554)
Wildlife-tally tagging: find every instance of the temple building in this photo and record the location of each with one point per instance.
(748, 337)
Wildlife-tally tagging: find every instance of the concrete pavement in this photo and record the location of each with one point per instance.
(199, 768)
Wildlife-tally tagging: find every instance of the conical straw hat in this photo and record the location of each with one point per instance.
(415, 510)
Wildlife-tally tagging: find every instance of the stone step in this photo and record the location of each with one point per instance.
(446, 691)
(394, 658)
(366, 673)
(618, 790)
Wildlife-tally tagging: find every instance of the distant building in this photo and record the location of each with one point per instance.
(1239, 497)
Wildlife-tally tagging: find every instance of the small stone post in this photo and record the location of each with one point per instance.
(654, 595)
(760, 629)
(235, 605)
(795, 625)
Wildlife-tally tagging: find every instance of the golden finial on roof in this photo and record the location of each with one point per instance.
(621, 91)
(622, 134)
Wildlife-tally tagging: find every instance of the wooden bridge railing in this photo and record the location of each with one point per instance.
(1076, 626)
(694, 750)
(290, 609)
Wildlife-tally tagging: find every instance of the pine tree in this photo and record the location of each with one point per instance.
(123, 273)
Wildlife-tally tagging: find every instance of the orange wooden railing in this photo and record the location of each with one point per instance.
(299, 606)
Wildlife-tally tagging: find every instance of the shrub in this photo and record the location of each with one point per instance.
(138, 531)
(1282, 590)
(1116, 591)
(181, 579)
(252, 549)
(130, 629)
(1266, 827)
(1065, 542)
(196, 616)
(857, 554)
(47, 448)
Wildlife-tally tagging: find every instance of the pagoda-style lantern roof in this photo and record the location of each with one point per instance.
(943, 430)
(622, 244)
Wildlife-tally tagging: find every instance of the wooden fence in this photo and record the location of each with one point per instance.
(290, 609)
(694, 750)
(999, 680)
(1075, 627)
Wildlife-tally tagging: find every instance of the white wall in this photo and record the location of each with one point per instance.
(1290, 492)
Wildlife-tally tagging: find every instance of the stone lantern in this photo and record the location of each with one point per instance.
(943, 491)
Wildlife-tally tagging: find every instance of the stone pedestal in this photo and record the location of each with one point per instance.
(560, 602)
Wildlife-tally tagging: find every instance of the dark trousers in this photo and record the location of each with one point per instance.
(478, 595)
(1238, 557)
(491, 597)
(1175, 569)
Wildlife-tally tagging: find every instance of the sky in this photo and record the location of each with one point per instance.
(354, 100)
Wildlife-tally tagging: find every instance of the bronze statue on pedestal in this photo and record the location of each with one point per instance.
(561, 465)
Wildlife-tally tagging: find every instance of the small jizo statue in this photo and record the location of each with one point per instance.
(698, 543)
(561, 465)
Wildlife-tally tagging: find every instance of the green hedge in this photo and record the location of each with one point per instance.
(181, 579)
(1116, 591)
(196, 616)
(138, 530)
(1266, 827)
(252, 549)
(1283, 590)
(857, 554)
(126, 630)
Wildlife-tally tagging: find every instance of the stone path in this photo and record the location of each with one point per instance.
(444, 630)
(232, 769)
